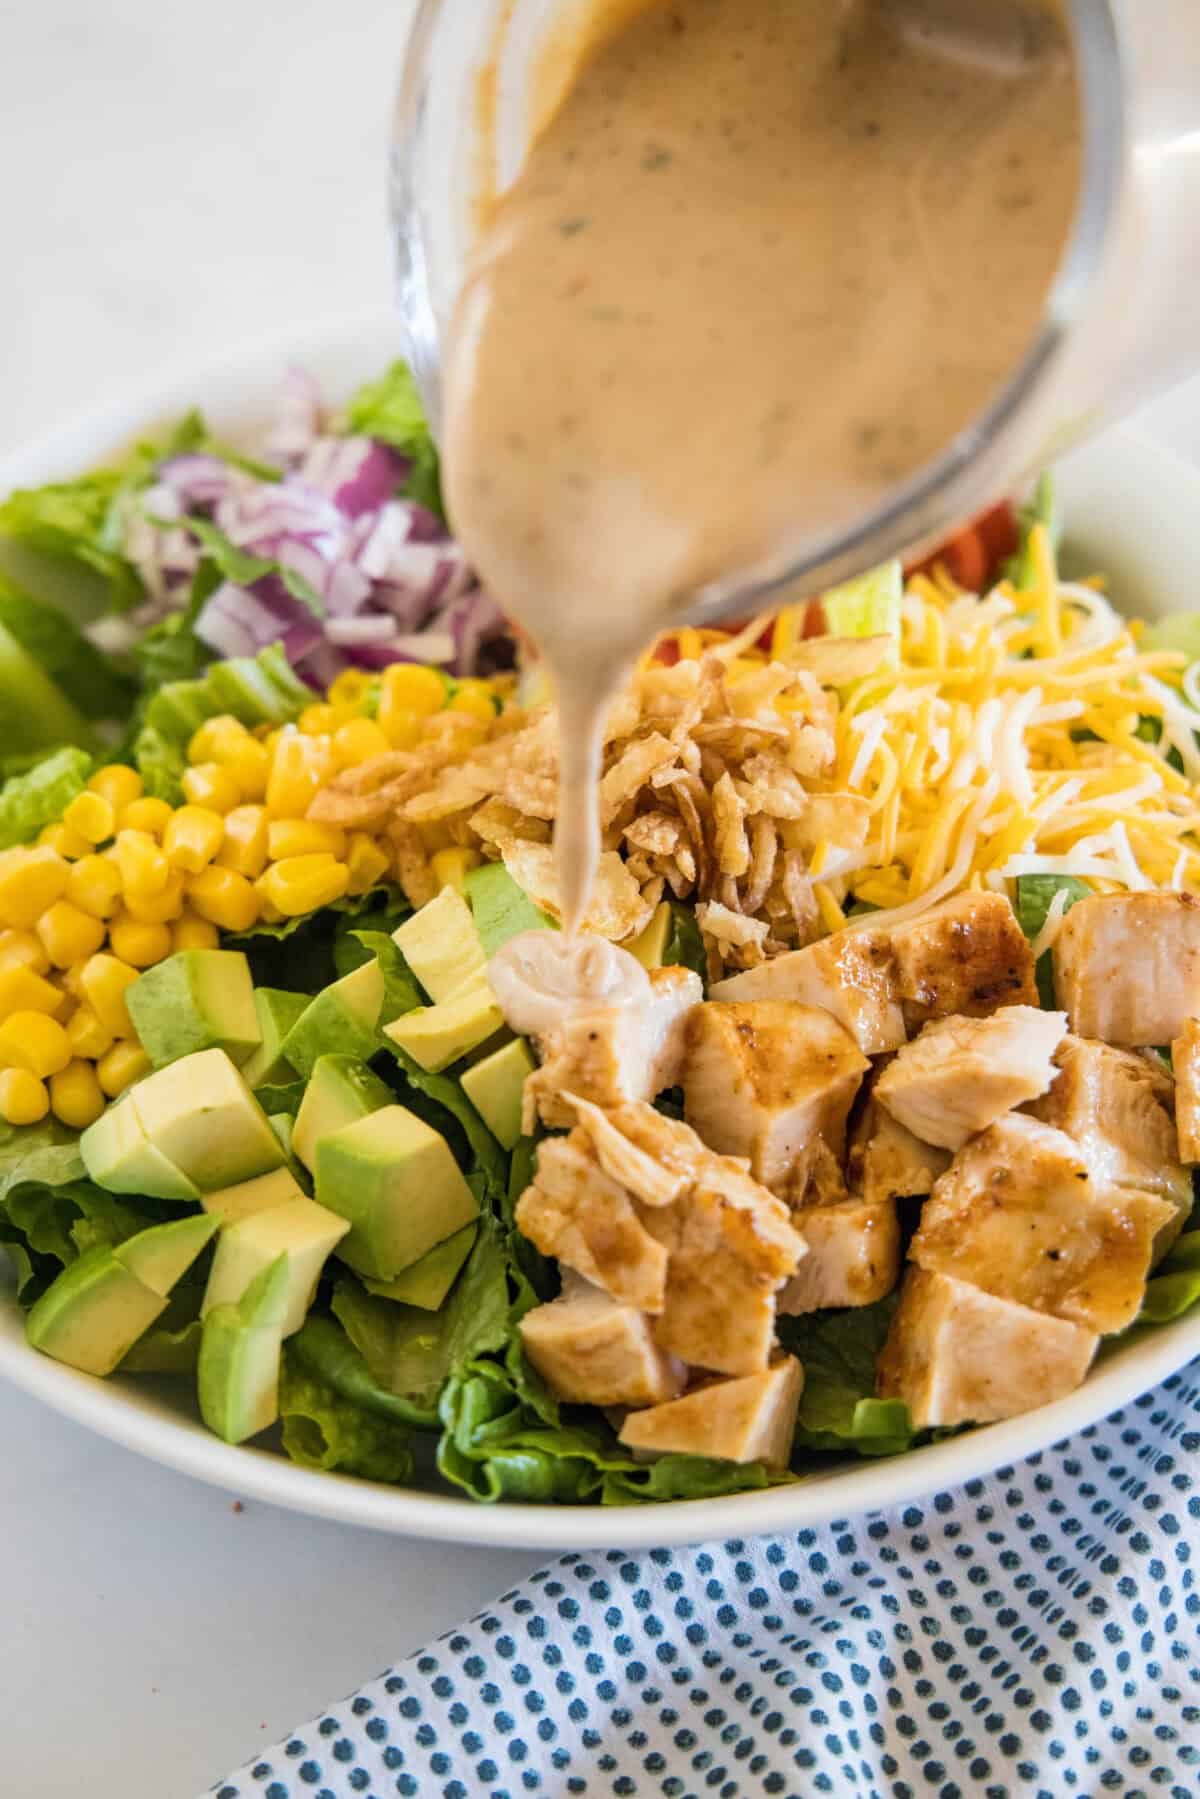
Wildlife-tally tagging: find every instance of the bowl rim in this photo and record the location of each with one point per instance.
(141, 1418)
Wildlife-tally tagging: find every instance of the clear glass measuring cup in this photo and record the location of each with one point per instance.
(1121, 322)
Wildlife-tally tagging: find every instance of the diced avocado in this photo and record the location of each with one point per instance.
(340, 1090)
(118, 1155)
(200, 1113)
(340, 1021)
(428, 1281)
(162, 1255)
(264, 1194)
(93, 1313)
(437, 1035)
(196, 999)
(441, 945)
(283, 1125)
(302, 1230)
(277, 1012)
(239, 1358)
(502, 909)
(650, 945)
(495, 1085)
(397, 1182)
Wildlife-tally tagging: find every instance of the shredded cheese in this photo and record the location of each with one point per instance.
(1017, 733)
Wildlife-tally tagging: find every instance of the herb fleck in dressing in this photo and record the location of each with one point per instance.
(767, 258)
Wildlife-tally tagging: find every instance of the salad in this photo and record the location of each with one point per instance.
(899, 1133)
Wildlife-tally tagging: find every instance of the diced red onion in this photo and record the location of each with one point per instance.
(346, 589)
(236, 622)
(367, 628)
(356, 473)
(198, 481)
(297, 418)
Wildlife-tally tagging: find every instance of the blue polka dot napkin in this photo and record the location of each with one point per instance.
(1037, 1633)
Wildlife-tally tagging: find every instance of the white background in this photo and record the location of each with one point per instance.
(174, 180)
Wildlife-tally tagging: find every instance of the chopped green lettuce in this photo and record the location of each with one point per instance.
(41, 795)
(1035, 896)
(237, 565)
(390, 410)
(325, 1348)
(838, 1409)
(1178, 631)
(1175, 1288)
(50, 1212)
(258, 690)
(166, 1349)
(90, 681)
(321, 1428)
(868, 606)
(82, 523)
(685, 945)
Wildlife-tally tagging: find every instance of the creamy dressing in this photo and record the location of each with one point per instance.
(766, 259)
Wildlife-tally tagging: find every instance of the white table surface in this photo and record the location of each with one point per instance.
(173, 180)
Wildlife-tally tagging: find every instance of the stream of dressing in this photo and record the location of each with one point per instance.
(766, 259)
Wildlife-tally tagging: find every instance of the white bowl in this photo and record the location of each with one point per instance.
(1129, 508)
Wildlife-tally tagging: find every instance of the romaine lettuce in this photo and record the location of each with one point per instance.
(390, 410)
(41, 795)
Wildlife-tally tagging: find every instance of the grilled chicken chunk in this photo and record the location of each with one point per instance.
(961, 1074)
(614, 1055)
(850, 976)
(752, 1419)
(1019, 1215)
(958, 1355)
(591, 1350)
(853, 1257)
(1185, 1059)
(730, 1249)
(766, 1079)
(1127, 966)
(967, 955)
(1116, 1106)
(886, 1161)
(576, 1212)
(657, 1169)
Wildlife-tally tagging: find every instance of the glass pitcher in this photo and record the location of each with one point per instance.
(1121, 322)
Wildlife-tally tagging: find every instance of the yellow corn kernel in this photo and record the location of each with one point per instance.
(297, 837)
(475, 699)
(358, 741)
(192, 838)
(366, 861)
(451, 867)
(157, 908)
(102, 983)
(143, 867)
(92, 816)
(225, 898)
(299, 768)
(137, 942)
(64, 842)
(149, 815)
(318, 720)
(190, 932)
(350, 691)
(249, 764)
(69, 935)
(32, 1040)
(69, 980)
(76, 1097)
(119, 785)
(303, 883)
(245, 847)
(121, 1066)
(30, 880)
(22, 949)
(210, 785)
(94, 885)
(415, 688)
(88, 1037)
(401, 727)
(216, 738)
(21, 990)
(23, 1098)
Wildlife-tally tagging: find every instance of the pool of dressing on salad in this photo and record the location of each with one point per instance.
(766, 259)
